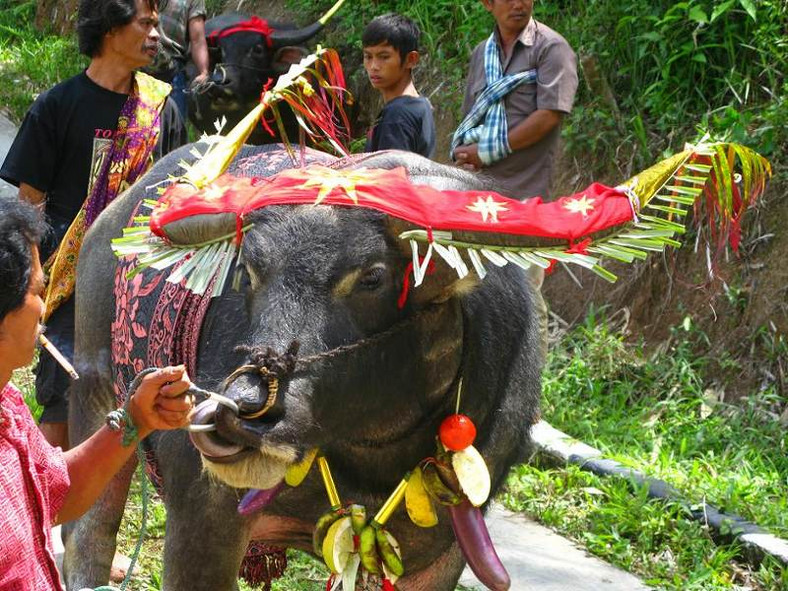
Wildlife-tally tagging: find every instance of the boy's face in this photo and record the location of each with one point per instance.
(384, 65)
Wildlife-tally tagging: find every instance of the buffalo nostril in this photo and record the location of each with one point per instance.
(208, 443)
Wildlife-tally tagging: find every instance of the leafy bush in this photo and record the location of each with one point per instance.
(31, 62)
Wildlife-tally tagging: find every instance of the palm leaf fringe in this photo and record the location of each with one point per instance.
(723, 179)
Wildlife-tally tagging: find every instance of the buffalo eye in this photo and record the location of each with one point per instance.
(372, 277)
(258, 49)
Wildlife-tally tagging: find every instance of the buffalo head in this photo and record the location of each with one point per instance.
(245, 54)
(354, 370)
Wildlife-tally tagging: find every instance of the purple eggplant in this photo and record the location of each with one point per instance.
(477, 547)
(257, 499)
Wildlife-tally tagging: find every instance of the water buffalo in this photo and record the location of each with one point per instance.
(326, 277)
(245, 53)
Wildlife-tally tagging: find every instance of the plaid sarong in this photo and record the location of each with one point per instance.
(486, 124)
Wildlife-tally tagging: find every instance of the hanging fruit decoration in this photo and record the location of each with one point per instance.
(458, 478)
(457, 432)
(355, 547)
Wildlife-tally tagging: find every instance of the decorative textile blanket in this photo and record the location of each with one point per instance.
(158, 323)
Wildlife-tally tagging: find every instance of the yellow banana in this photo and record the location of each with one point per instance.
(388, 549)
(418, 502)
(295, 473)
(367, 550)
(321, 528)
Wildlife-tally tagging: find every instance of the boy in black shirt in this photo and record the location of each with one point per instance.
(391, 52)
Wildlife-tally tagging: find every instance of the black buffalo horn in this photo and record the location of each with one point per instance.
(285, 37)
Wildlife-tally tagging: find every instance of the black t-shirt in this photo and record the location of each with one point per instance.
(404, 123)
(55, 146)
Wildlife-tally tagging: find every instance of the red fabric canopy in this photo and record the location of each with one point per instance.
(596, 208)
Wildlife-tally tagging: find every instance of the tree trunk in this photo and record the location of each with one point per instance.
(56, 16)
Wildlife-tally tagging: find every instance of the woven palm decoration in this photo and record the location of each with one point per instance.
(469, 230)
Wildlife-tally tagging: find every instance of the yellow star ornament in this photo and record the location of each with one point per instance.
(328, 180)
(489, 208)
(582, 205)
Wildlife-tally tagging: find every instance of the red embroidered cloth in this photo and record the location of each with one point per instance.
(33, 486)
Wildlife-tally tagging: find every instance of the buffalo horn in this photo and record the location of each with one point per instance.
(282, 38)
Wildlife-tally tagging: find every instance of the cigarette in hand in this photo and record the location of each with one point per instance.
(47, 344)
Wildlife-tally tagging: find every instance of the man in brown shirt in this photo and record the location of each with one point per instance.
(533, 110)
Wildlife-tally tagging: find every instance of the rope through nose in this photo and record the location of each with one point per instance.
(271, 366)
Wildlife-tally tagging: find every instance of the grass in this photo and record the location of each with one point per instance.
(31, 62)
(653, 413)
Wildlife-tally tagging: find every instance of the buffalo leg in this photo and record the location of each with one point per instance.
(90, 541)
(205, 540)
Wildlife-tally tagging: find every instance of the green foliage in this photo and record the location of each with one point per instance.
(26, 382)
(214, 7)
(716, 64)
(31, 62)
(449, 29)
(654, 414)
(677, 69)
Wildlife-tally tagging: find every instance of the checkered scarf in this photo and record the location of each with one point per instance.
(492, 136)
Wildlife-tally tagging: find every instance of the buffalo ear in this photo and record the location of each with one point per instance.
(287, 56)
(440, 285)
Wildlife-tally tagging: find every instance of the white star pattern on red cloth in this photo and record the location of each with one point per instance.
(582, 205)
(489, 208)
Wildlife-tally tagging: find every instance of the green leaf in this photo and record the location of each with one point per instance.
(604, 273)
(699, 57)
(721, 9)
(698, 15)
(749, 6)
(652, 36)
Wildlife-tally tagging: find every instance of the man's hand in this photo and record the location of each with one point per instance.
(161, 402)
(467, 157)
(200, 79)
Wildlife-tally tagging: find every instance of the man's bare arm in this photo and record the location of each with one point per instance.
(199, 47)
(526, 133)
(533, 128)
(159, 403)
(31, 195)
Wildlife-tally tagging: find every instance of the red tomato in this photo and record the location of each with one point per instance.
(457, 432)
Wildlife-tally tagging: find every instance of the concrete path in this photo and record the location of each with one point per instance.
(538, 559)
